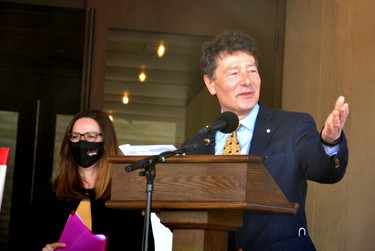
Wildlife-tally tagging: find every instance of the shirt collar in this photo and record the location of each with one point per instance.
(248, 122)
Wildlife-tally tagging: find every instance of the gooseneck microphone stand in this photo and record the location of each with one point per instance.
(149, 172)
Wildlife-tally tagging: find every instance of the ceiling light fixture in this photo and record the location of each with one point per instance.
(125, 99)
(142, 76)
(161, 50)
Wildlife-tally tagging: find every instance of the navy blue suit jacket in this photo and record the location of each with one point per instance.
(292, 151)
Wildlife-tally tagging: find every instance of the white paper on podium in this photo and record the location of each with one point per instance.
(163, 236)
(146, 150)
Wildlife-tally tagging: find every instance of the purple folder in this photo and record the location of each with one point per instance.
(78, 237)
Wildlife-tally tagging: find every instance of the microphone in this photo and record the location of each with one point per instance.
(145, 163)
(194, 146)
(226, 123)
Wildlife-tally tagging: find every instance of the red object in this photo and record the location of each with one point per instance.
(4, 153)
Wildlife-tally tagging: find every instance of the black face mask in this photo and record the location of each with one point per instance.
(86, 153)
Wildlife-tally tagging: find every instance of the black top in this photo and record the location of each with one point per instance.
(124, 228)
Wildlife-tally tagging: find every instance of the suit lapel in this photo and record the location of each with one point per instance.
(264, 128)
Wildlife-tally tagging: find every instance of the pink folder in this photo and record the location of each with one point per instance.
(78, 237)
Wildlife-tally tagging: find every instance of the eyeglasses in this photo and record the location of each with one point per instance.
(88, 136)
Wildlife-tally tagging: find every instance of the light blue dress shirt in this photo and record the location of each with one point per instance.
(244, 133)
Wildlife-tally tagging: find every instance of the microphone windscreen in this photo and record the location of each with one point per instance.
(232, 121)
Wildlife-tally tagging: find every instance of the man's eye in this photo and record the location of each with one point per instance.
(253, 70)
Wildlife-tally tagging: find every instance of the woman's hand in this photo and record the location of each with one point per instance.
(54, 246)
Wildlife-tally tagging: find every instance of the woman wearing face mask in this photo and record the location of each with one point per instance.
(84, 178)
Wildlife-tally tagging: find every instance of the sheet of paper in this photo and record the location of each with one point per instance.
(163, 236)
(145, 150)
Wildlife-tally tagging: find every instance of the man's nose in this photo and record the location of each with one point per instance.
(246, 78)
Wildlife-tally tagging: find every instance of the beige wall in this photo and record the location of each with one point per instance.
(329, 51)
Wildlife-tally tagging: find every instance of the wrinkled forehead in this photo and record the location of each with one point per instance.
(225, 58)
(225, 54)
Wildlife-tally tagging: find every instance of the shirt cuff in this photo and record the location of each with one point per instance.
(331, 150)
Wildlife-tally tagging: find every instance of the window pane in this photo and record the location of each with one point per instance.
(62, 122)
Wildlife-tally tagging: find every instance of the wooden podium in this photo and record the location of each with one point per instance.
(200, 197)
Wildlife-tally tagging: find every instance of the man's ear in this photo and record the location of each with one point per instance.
(210, 84)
